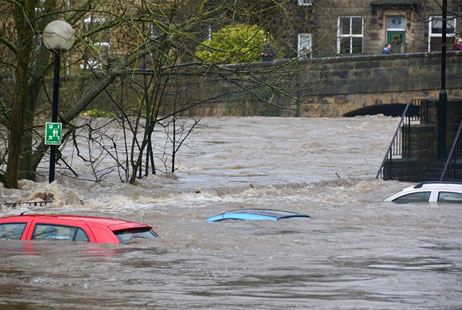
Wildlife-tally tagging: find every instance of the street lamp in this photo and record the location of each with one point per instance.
(57, 36)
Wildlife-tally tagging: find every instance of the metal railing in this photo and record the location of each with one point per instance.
(454, 154)
(13, 205)
(414, 111)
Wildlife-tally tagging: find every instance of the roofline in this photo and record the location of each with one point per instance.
(420, 185)
(90, 220)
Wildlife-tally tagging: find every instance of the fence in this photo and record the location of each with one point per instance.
(13, 205)
(401, 143)
(455, 154)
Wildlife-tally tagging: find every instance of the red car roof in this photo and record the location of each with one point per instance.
(98, 229)
(112, 224)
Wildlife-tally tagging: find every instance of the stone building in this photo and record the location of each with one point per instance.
(355, 27)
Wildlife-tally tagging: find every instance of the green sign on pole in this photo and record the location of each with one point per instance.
(53, 133)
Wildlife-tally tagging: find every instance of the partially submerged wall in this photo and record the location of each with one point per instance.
(326, 87)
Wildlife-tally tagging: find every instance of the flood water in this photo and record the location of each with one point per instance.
(356, 252)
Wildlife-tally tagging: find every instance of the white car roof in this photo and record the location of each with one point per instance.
(439, 185)
(428, 186)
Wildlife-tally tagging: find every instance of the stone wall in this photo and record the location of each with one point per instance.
(374, 80)
(326, 87)
(374, 14)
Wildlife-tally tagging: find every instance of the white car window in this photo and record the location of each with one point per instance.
(450, 197)
(414, 197)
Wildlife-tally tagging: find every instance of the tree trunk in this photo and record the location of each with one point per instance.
(26, 170)
(23, 16)
(40, 63)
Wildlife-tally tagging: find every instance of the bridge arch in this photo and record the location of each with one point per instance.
(392, 109)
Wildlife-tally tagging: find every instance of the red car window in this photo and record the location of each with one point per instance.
(58, 232)
(12, 231)
(73, 228)
(81, 236)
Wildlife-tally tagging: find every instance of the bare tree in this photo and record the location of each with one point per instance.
(137, 57)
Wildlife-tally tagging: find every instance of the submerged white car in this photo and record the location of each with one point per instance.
(429, 192)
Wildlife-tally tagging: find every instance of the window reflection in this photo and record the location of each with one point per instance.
(450, 197)
(414, 197)
(12, 231)
(59, 232)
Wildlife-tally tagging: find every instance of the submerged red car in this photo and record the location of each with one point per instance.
(73, 228)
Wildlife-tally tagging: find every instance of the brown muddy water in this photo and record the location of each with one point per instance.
(356, 252)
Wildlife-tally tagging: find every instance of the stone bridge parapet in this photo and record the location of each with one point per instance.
(321, 87)
(329, 87)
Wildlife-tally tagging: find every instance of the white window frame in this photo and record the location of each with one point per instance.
(304, 2)
(350, 35)
(439, 35)
(299, 43)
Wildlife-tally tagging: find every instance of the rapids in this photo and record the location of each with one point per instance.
(357, 252)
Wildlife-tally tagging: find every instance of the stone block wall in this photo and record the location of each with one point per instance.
(422, 139)
(329, 87)
(454, 116)
(324, 87)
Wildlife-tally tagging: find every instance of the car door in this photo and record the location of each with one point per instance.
(60, 230)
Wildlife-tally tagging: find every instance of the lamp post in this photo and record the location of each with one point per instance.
(58, 36)
(441, 111)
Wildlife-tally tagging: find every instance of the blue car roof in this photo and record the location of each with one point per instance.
(255, 215)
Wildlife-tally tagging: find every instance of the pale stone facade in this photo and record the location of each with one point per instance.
(346, 27)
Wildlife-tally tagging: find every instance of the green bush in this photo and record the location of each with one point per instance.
(231, 44)
(98, 113)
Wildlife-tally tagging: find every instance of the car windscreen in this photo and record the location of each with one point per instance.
(127, 235)
(12, 231)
